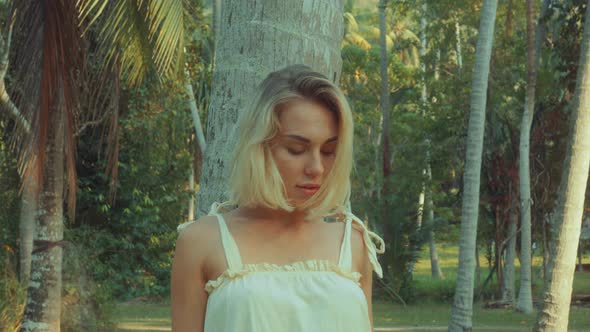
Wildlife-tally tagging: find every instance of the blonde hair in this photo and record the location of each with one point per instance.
(254, 177)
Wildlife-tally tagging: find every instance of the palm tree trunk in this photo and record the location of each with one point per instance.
(569, 209)
(43, 307)
(427, 188)
(508, 293)
(384, 103)
(248, 47)
(29, 196)
(525, 298)
(458, 45)
(28, 211)
(192, 105)
(525, 301)
(435, 269)
(462, 311)
(423, 97)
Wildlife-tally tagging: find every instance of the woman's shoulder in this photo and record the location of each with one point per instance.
(197, 237)
(200, 229)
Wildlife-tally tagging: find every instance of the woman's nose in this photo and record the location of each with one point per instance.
(314, 166)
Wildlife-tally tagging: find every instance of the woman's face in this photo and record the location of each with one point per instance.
(305, 148)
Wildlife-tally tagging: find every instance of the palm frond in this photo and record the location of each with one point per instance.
(47, 56)
(142, 36)
(167, 33)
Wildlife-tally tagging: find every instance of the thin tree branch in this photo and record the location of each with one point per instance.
(90, 123)
(5, 101)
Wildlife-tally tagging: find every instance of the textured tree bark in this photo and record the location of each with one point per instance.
(384, 103)
(29, 194)
(427, 185)
(192, 105)
(508, 292)
(458, 45)
(462, 311)
(43, 308)
(255, 38)
(435, 269)
(28, 211)
(525, 298)
(423, 94)
(569, 209)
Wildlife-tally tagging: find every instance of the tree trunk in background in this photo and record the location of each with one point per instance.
(191, 201)
(421, 205)
(580, 254)
(28, 214)
(192, 105)
(427, 185)
(546, 247)
(462, 311)
(477, 268)
(435, 269)
(29, 195)
(215, 21)
(458, 45)
(525, 297)
(254, 39)
(508, 291)
(384, 103)
(423, 93)
(569, 209)
(508, 24)
(43, 307)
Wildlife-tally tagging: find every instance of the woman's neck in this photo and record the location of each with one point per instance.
(293, 219)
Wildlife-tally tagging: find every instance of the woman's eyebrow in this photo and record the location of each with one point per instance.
(305, 140)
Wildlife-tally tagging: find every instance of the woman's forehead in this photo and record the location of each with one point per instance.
(308, 119)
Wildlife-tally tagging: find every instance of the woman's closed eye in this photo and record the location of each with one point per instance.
(296, 152)
(328, 153)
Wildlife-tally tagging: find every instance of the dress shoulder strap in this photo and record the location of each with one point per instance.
(345, 260)
(232, 253)
(372, 250)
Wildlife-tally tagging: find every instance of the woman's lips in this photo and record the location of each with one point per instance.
(308, 191)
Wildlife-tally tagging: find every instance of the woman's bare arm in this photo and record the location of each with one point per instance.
(364, 267)
(188, 296)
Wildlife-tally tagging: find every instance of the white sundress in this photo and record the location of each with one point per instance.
(305, 296)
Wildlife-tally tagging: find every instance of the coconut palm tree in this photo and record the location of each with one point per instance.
(246, 51)
(49, 61)
(462, 311)
(569, 209)
(525, 298)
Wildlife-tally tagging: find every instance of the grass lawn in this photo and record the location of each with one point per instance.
(430, 314)
(417, 317)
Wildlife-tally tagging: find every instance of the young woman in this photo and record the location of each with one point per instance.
(266, 260)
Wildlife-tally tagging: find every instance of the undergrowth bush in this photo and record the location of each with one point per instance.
(87, 305)
(12, 293)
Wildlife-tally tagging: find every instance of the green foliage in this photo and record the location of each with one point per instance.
(139, 36)
(441, 121)
(87, 305)
(9, 186)
(134, 237)
(12, 293)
